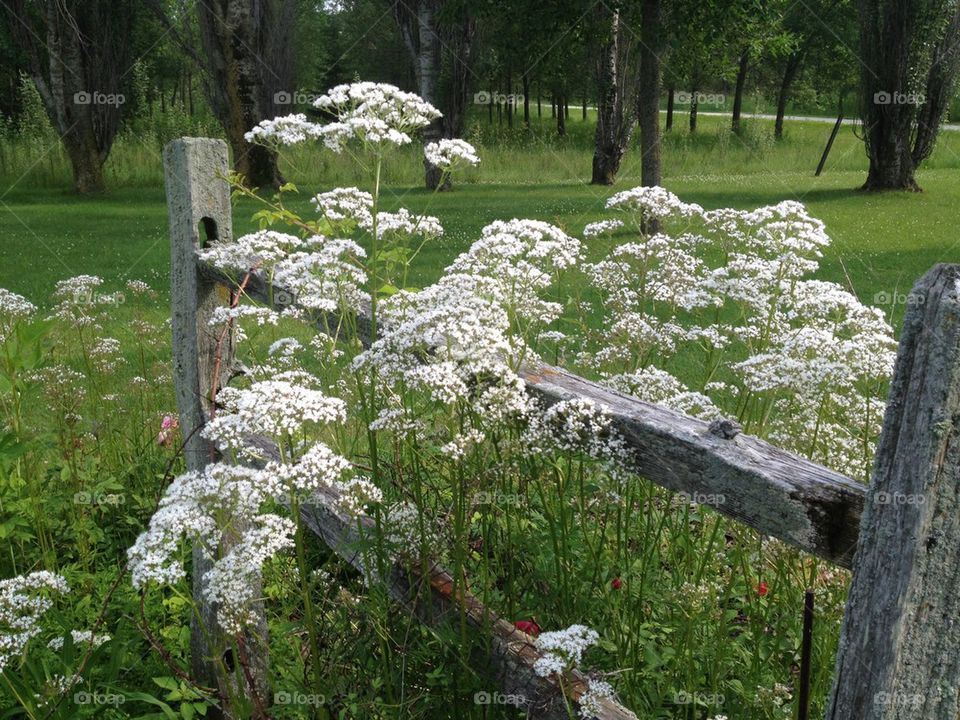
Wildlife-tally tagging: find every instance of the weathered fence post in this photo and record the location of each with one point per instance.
(899, 654)
(198, 199)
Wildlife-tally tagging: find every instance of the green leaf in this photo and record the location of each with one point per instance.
(167, 683)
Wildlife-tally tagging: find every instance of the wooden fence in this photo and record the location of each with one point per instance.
(899, 653)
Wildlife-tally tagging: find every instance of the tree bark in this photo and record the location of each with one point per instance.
(615, 118)
(420, 30)
(939, 88)
(786, 82)
(694, 106)
(738, 90)
(648, 96)
(248, 56)
(670, 92)
(526, 100)
(897, 654)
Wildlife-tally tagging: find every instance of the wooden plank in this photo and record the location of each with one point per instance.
(198, 202)
(773, 491)
(898, 656)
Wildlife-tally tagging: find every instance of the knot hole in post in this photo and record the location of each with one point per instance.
(207, 232)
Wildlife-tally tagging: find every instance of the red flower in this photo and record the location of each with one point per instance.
(762, 589)
(616, 583)
(530, 627)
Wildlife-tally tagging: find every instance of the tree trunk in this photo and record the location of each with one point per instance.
(670, 92)
(428, 56)
(511, 100)
(526, 100)
(248, 55)
(77, 53)
(897, 38)
(789, 75)
(939, 88)
(694, 106)
(738, 91)
(561, 117)
(648, 96)
(614, 117)
(87, 167)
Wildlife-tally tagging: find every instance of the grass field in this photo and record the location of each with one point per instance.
(881, 243)
(691, 605)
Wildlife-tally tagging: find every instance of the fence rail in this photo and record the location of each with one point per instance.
(902, 614)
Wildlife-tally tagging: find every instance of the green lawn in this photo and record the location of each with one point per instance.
(882, 243)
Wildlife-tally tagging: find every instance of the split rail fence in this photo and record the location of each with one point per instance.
(899, 651)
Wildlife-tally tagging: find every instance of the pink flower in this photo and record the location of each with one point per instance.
(762, 589)
(168, 428)
(616, 583)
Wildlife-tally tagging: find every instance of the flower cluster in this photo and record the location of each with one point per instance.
(591, 701)
(314, 273)
(563, 649)
(448, 154)
(23, 601)
(373, 114)
(13, 309)
(802, 362)
(80, 637)
(517, 261)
